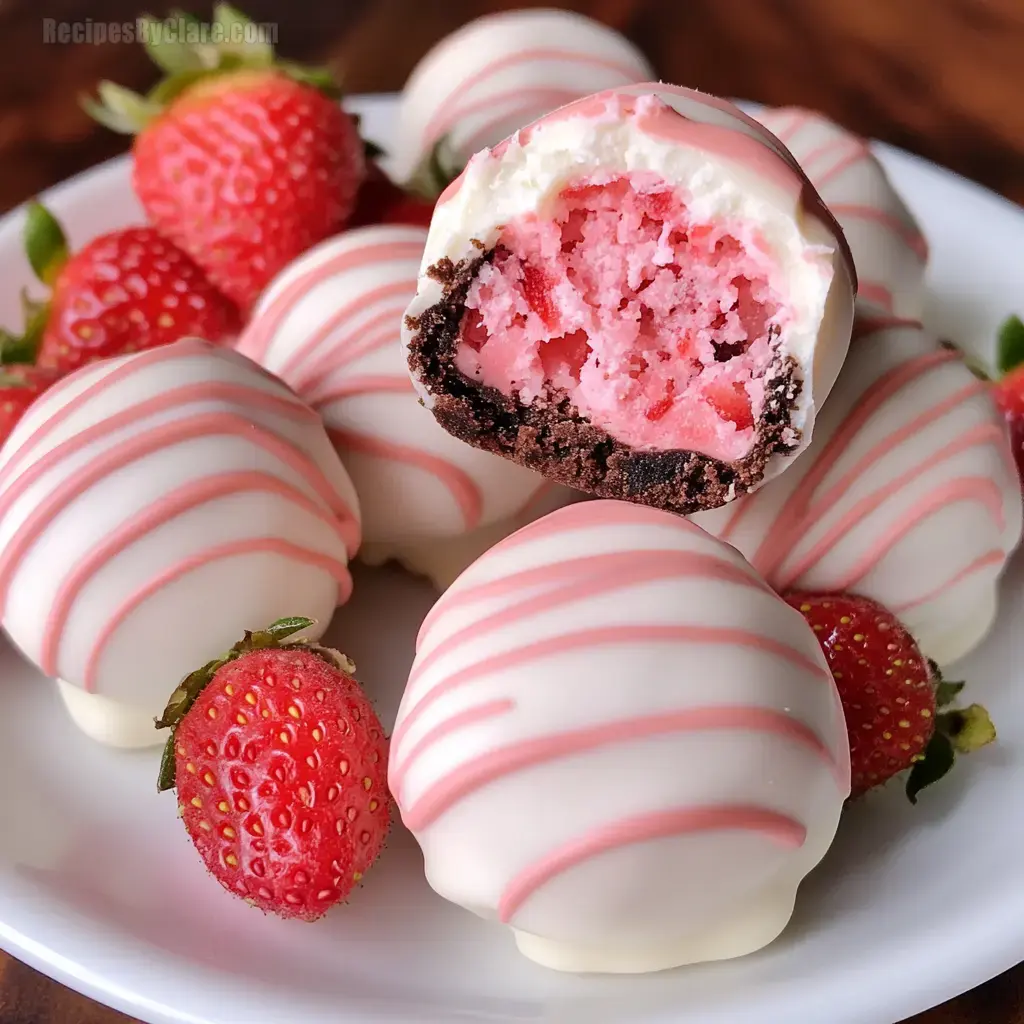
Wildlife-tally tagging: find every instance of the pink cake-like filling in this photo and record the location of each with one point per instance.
(660, 330)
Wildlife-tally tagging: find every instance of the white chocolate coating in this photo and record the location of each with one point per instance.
(329, 326)
(730, 169)
(152, 508)
(442, 560)
(908, 494)
(503, 71)
(889, 250)
(619, 741)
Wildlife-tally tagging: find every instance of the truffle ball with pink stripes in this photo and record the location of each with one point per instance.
(619, 741)
(330, 327)
(502, 71)
(889, 249)
(908, 493)
(152, 508)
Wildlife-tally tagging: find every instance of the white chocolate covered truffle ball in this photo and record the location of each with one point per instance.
(617, 740)
(330, 327)
(640, 295)
(503, 71)
(907, 495)
(152, 508)
(889, 249)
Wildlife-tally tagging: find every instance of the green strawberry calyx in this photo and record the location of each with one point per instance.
(1010, 345)
(187, 692)
(189, 51)
(46, 248)
(435, 172)
(957, 731)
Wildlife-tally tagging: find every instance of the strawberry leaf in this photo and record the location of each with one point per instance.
(186, 692)
(165, 47)
(319, 78)
(120, 109)
(238, 36)
(946, 693)
(45, 243)
(166, 779)
(937, 761)
(278, 631)
(1010, 352)
(172, 86)
(438, 169)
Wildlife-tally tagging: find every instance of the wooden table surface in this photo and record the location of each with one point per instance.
(942, 78)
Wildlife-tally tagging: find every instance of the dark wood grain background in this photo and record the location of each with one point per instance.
(943, 78)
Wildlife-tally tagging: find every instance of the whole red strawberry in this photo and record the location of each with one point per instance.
(1009, 390)
(280, 764)
(126, 291)
(20, 386)
(244, 161)
(892, 696)
(381, 201)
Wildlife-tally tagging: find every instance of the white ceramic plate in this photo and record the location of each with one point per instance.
(100, 889)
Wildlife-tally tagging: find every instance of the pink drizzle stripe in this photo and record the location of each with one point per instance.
(350, 349)
(591, 514)
(167, 401)
(493, 765)
(137, 447)
(980, 490)
(908, 235)
(367, 384)
(581, 515)
(577, 579)
(461, 720)
(186, 349)
(790, 128)
(254, 545)
(874, 291)
(449, 111)
(996, 557)
(523, 103)
(859, 153)
(606, 636)
(865, 326)
(643, 828)
(985, 434)
(167, 508)
(296, 361)
(462, 487)
(788, 525)
(256, 339)
(819, 508)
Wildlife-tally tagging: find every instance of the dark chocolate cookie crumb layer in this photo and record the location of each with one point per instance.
(551, 438)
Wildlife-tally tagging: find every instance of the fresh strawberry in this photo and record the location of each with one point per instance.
(280, 764)
(20, 386)
(243, 160)
(125, 291)
(1009, 389)
(381, 201)
(894, 699)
